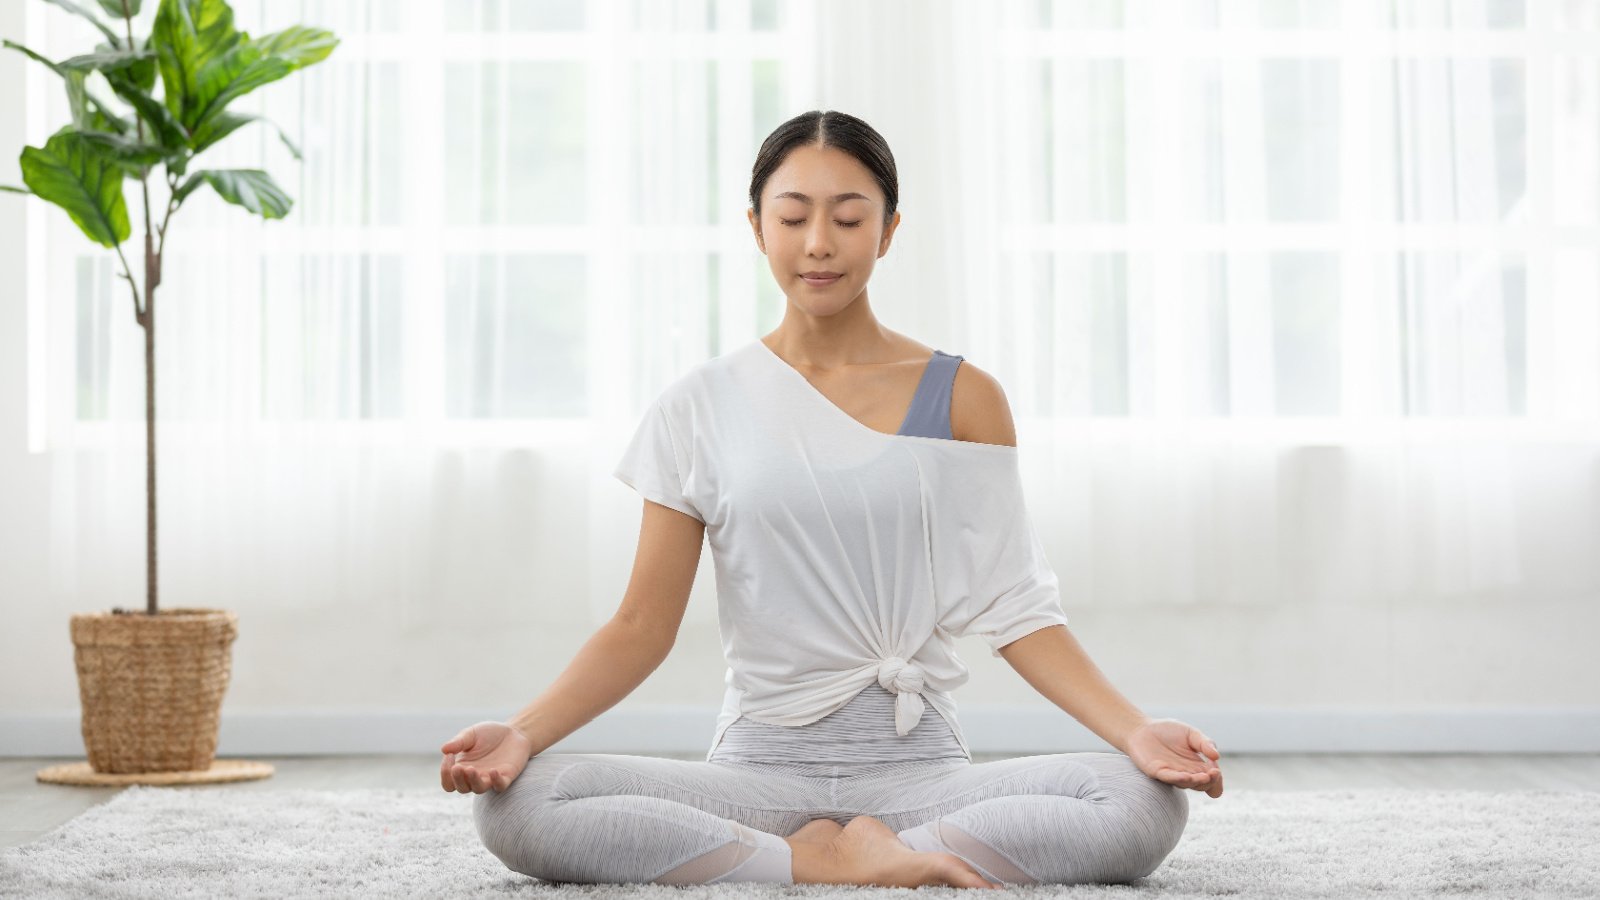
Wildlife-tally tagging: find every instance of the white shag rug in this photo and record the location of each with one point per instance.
(210, 842)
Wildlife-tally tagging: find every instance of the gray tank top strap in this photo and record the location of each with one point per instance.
(929, 415)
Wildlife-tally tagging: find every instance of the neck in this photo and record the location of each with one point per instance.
(853, 336)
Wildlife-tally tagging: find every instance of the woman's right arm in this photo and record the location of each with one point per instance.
(634, 643)
(609, 666)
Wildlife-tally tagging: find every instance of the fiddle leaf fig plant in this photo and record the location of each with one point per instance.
(202, 63)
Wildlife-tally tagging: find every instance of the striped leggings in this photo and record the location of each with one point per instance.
(1063, 818)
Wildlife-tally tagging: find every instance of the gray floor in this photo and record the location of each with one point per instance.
(29, 809)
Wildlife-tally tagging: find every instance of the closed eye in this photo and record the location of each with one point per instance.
(783, 221)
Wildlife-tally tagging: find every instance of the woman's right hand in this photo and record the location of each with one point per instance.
(485, 756)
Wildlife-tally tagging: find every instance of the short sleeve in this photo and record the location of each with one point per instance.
(989, 565)
(1020, 610)
(656, 462)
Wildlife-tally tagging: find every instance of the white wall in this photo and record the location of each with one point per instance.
(1297, 677)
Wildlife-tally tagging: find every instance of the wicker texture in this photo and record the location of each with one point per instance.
(151, 687)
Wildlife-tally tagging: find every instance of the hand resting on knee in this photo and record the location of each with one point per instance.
(486, 756)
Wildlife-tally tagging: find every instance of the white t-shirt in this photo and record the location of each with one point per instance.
(843, 555)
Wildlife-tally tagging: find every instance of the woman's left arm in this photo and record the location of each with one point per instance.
(1052, 660)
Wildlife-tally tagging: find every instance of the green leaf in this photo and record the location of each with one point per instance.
(34, 56)
(105, 61)
(143, 73)
(104, 120)
(75, 9)
(138, 64)
(88, 113)
(114, 8)
(283, 136)
(220, 125)
(299, 44)
(252, 189)
(14, 190)
(70, 172)
(131, 154)
(78, 99)
(167, 130)
(187, 34)
(251, 64)
(234, 74)
(187, 188)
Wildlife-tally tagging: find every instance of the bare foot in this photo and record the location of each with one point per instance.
(869, 852)
(818, 831)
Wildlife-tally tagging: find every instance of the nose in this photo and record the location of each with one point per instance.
(819, 241)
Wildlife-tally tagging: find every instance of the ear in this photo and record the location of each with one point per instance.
(755, 226)
(888, 234)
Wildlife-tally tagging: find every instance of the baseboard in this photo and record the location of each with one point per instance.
(995, 729)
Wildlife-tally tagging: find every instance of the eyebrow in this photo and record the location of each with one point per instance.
(848, 195)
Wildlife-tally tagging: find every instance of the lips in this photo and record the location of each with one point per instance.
(821, 279)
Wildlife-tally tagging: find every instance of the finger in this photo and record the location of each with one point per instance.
(461, 773)
(444, 772)
(1181, 778)
(463, 741)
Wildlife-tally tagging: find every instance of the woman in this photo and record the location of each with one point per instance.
(861, 494)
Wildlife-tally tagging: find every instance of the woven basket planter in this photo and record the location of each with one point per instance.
(151, 686)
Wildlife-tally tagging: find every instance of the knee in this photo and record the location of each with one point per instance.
(498, 827)
(508, 822)
(1157, 813)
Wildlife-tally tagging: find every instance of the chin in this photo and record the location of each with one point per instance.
(822, 308)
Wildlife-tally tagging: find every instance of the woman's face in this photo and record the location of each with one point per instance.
(822, 212)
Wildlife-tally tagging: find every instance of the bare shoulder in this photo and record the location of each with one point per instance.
(979, 411)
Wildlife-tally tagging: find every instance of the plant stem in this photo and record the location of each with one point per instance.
(138, 312)
(150, 448)
(152, 277)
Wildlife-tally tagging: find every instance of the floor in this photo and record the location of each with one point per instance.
(30, 809)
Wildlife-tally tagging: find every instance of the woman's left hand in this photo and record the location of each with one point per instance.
(1170, 751)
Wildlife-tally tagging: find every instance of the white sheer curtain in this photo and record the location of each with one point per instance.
(1294, 302)
(514, 224)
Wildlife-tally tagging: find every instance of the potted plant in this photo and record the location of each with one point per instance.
(151, 681)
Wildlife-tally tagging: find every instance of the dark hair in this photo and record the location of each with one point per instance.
(829, 128)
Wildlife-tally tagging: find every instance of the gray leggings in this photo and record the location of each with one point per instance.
(1063, 818)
